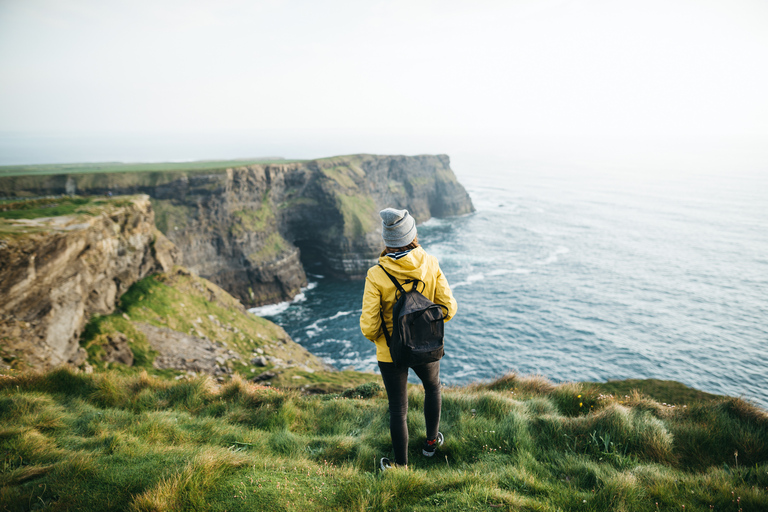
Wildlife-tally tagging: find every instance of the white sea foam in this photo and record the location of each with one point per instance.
(553, 257)
(270, 309)
(316, 276)
(433, 221)
(280, 307)
(346, 344)
(339, 314)
(505, 271)
(465, 371)
(350, 359)
(314, 329)
(469, 280)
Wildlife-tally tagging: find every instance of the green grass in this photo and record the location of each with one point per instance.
(110, 167)
(171, 214)
(250, 220)
(298, 201)
(105, 441)
(359, 214)
(78, 207)
(272, 247)
(50, 207)
(421, 182)
(342, 175)
(189, 304)
(664, 391)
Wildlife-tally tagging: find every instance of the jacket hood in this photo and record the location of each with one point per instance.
(413, 265)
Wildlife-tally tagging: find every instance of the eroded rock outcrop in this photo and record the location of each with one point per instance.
(184, 323)
(243, 228)
(56, 272)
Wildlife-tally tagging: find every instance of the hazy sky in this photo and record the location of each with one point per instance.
(659, 83)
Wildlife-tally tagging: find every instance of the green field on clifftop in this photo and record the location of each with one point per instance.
(109, 167)
(105, 441)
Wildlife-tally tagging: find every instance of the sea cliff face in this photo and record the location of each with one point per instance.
(56, 272)
(248, 229)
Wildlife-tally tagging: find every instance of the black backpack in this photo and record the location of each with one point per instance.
(417, 326)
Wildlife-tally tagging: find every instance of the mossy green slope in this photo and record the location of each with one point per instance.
(11, 212)
(189, 304)
(105, 441)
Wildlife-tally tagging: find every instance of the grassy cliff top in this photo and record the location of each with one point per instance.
(54, 207)
(105, 441)
(62, 213)
(110, 167)
(197, 165)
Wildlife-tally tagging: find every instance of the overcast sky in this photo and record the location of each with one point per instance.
(657, 83)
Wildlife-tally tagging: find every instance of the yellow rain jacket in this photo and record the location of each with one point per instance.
(380, 293)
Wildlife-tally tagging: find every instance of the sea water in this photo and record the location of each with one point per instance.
(584, 279)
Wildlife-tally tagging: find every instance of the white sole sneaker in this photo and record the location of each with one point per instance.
(428, 450)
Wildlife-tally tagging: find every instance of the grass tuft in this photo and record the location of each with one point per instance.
(117, 441)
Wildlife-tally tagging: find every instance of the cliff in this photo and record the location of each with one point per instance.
(245, 228)
(58, 270)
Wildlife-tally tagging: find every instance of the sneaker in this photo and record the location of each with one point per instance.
(387, 464)
(431, 446)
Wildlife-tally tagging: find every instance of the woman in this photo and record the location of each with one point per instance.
(404, 259)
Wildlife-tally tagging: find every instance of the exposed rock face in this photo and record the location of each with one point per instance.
(179, 351)
(56, 272)
(242, 228)
(117, 350)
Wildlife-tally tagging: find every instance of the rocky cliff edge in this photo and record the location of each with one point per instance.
(57, 271)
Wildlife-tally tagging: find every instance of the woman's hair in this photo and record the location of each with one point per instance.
(408, 247)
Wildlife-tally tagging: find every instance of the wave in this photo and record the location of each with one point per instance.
(340, 314)
(553, 256)
(471, 279)
(494, 273)
(338, 344)
(270, 309)
(281, 307)
(465, 370)
(314, 328)
(434, 221)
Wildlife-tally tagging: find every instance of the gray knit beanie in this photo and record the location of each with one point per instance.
(398, 227)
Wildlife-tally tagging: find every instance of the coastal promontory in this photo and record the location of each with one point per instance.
(252, 228)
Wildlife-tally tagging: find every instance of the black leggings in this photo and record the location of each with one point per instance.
(396, 383)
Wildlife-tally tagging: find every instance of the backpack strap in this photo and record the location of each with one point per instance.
(384, 327)
(395, 281)
(381, 311)
(399, 286)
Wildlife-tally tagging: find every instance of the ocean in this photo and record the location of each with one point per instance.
(584, 279)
